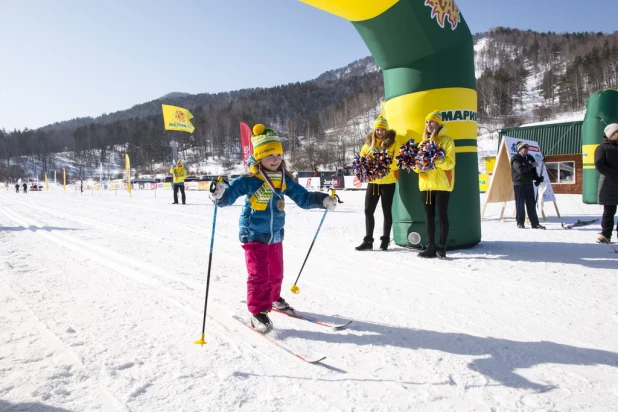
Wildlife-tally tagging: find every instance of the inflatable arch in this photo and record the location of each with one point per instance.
(426, 54)
(601, 110)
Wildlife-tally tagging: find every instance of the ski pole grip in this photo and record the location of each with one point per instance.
(213, 185)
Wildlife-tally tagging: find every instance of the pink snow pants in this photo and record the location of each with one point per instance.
(265, 270)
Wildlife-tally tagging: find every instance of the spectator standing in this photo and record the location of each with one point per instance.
(179, 173)
(382, 189)
(436, 185)
(606, 162)
(524, 175)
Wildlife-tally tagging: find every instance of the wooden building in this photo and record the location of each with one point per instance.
(561, 144)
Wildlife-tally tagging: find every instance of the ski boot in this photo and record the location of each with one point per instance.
(261, 322)
(282, 306)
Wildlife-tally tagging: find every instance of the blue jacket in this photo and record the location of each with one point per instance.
(266, 226)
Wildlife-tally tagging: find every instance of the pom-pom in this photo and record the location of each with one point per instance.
(372, 166)
(428, 153)
(406, 159)
(258, 129)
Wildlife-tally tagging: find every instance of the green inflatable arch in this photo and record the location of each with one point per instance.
(425, 51)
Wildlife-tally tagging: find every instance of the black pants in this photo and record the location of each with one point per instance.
(436, 201)
(525, 201)
(372, 195)
(607, 222)
(180, 187)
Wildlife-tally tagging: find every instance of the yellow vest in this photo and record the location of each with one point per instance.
(179, 174)
(443, 177)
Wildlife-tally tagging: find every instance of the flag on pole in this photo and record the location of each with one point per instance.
(46, 183)
(245, 141)
(127, 166)
(177, 118)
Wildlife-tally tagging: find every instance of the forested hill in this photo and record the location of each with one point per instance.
(522, 76)
(556, 72)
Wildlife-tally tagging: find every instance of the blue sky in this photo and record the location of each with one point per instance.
(85, 58)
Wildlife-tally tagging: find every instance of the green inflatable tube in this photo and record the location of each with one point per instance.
(601, 110)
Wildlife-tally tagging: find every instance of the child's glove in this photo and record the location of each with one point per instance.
(218, 192)
(330, 203)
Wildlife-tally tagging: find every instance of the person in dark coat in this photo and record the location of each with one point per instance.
(25, 185)
(524, 174)
(606, 162)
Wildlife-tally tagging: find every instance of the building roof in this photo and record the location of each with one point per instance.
(553, 139)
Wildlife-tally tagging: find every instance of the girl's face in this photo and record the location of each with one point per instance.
(271, 162)
(380, 132)
(430, 126)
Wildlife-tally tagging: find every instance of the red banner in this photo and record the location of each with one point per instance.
(245, 141)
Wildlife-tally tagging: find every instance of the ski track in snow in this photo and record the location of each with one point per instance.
(114, 262)
(114, 287)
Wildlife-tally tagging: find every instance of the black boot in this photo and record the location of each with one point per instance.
(430, 252)
(261, 322)
(384, 241)
(441, 251)
(367, 244)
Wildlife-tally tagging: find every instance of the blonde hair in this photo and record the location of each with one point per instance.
(374, 137)
(434, 134)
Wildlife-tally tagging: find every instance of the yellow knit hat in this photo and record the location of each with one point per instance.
(380, 122)
(436, 116)
(265, 142)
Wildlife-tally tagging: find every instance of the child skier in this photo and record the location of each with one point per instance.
(262, 220)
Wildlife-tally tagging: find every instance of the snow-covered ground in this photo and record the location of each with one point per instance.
(102, 297)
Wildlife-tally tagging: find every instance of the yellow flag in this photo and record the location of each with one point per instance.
(177, 118)
(127, 166)
(46, 183)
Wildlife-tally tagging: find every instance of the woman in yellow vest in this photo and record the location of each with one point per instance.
(381, 137)
(436, 185)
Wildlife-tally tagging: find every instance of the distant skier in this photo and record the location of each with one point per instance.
(606, 162)
(180, 173)
(25, 185)
(262, 219)
(16, 187)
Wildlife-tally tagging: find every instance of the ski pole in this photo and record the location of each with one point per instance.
(295, 289)
(213, 186)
